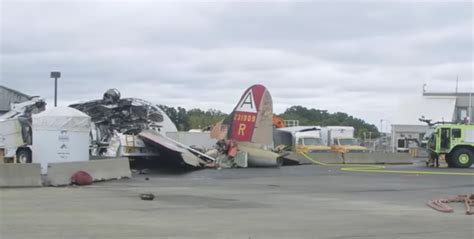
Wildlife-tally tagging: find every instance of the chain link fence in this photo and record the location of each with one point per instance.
(382, 144)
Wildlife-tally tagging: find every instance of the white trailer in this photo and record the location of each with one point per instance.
(341, 138)
(330, 134)
(16, 133)
(299, 136)
(15, 144)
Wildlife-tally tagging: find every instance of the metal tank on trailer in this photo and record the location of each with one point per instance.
(60, 134)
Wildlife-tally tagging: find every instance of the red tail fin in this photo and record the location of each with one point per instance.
(252, 117)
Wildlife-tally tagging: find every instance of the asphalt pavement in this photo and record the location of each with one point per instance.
(289, 202)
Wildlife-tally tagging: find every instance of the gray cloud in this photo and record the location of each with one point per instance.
(359, 57)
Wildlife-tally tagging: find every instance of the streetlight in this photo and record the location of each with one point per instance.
(55, 75)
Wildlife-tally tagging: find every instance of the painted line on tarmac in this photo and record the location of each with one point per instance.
(370, 168)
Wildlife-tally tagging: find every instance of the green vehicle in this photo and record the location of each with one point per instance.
(454, 142)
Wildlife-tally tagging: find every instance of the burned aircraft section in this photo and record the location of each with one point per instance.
(25, 109)
(113, 115)
(127, 115)
(134, 128)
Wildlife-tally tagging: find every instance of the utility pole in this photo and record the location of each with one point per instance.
(381, 130)
(365, 138)
(469, 111)
(470, 106)
(55, 75)
(370, 137)
(457, 82)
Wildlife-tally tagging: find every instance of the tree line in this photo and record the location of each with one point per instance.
(199, 119)
(324, 118)
(193, 118)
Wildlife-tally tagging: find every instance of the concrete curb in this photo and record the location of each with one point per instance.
(59, 174)
(323, 157)
(20, 175)
(357, 158)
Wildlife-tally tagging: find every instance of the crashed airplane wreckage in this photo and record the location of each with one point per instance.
(134, 128)
(246, 135)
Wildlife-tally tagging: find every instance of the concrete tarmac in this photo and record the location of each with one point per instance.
(290, 202)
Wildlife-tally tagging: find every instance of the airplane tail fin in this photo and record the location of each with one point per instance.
(251, 120)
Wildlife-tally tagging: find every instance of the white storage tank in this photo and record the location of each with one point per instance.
(60, 134)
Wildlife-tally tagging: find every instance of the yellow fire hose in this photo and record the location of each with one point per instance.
(370, 168)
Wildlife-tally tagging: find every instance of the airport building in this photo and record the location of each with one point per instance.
(461, 105)
(9, 96)
(408, 130)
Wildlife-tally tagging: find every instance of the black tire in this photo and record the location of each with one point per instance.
(462, 158)
(23, 156)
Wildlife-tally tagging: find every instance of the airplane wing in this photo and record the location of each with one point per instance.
(173, 149)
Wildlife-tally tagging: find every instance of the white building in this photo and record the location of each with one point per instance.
(407, 129)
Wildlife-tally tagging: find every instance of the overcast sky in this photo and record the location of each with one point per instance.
(360, 57)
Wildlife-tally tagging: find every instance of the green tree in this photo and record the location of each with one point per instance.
(178, 116)
(199, 119)
(323, 118)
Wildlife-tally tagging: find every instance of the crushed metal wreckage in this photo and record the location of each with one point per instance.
(133, 127)
(25, 109)
(228, 155)
(112, 116)
(136, 128)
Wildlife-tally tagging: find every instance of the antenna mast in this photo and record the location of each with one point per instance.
(457, 82)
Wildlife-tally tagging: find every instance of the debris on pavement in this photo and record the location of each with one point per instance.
(147, 196)
(441, 204)
(81, 178)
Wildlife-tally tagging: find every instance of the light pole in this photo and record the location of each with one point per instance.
(55, 75)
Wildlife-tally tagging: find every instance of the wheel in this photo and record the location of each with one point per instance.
(462, 158)
(23, 156)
